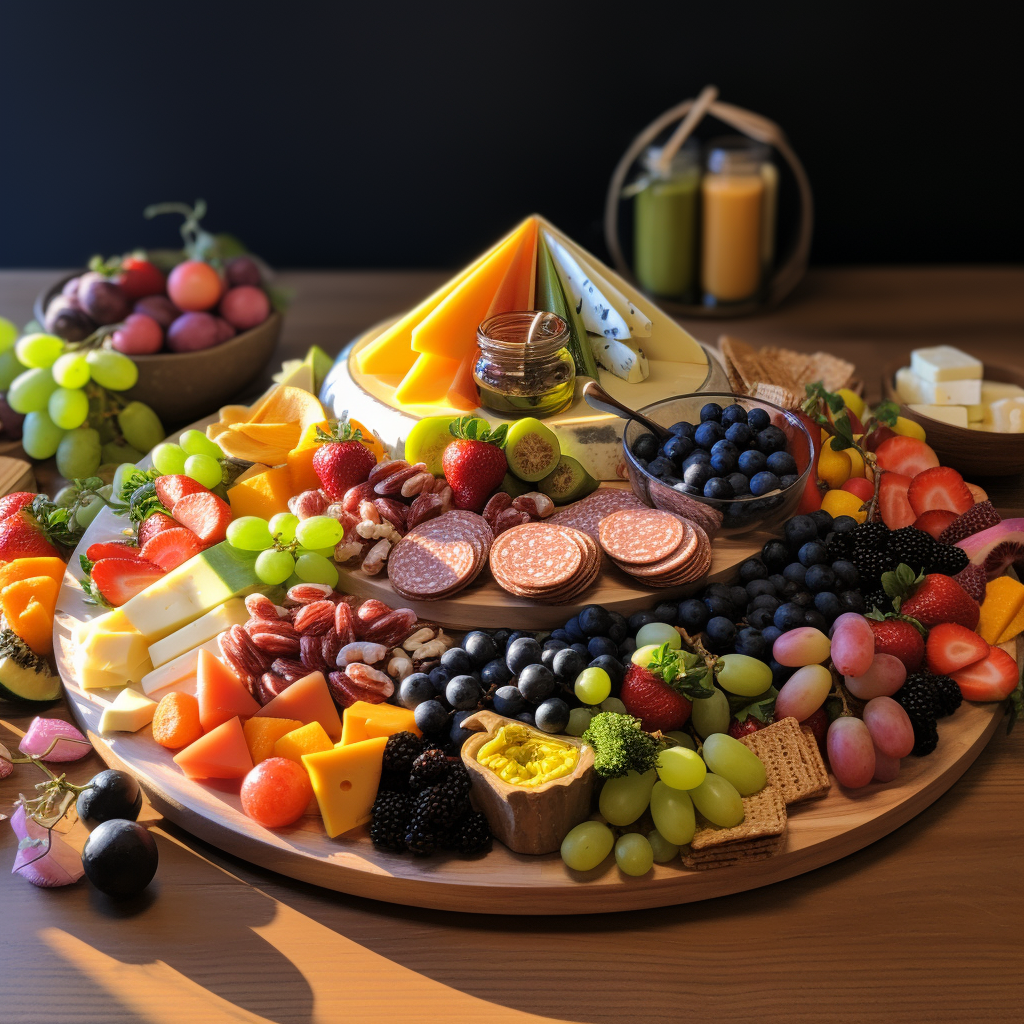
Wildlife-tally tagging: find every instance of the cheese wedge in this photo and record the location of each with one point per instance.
(428, 381)
(345, 781)
(625, 359)
(944, 363)
(130, 711)
(206, 627)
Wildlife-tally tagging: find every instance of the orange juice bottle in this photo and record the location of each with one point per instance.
(733, 208)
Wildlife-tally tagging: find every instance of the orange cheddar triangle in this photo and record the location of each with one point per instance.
(309, 700)
(516, 289)
(365, 721)
(428, 381)
(345, 781)
(463, 393)
(220, 754)
(262, 733)
(221, 694)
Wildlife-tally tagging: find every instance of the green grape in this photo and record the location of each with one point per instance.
(71, 370)
(120, 474)
(203, 470)
(68, 408)
(113, 371)
(684, 739)
(39, 351)
(195, 442)
(8, 334)
(615, 705)
(31, 390)
(659, 633)
(681, 768)
(40, 436)
(672, 811)
(274, 567)
(643, 656)
(140, 426)
(249, 533)
(282, 526)
(66, 496)
(741, 674)
(663, 850)
(587, 845)
(633, 854)
(319, 532)
(88, 511)
(736, 763)
(313, 568)
(624, 799)
(78, 454)
(168, 459)
(579, 721)
(718, 800)
(711, 714)
(115, 453)
(593, 685)
(9, 368)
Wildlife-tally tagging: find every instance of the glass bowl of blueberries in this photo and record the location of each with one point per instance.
(737, 462)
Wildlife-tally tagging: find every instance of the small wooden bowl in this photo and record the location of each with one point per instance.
(972, 452)
(528, 819)
(181, 387)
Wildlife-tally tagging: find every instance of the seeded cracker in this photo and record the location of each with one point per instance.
(792, 760)
(757, 837)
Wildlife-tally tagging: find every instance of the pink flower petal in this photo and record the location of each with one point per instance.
(70, 746)
(44, 860)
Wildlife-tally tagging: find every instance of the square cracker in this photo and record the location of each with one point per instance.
(791, 758)
(764, 817)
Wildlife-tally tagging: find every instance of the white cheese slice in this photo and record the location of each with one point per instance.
(915, 390)
(955, 415)
(993, 390)
(1006, 416)
(976, 413)
(115, 652)
(180, 673)
(623, 358)
(130, 711)
(945, 363)
(206, 627)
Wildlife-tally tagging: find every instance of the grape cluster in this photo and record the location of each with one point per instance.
(289, 546)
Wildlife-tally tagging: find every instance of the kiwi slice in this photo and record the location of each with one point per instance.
(567, 482)
(531, 449)
(428, 439)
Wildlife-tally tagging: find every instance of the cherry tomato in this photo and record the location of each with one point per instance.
(194, 286)
(139, 278)
(276, 792)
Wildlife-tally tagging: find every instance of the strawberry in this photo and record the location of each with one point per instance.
(906, 456)
(934, 521)
(658, 693)
(978, 517)
(13, 502)
(170, 548)
(952, 647)
(152, 525)
(992, 678)
(941, 487)
(111, 549)
(892, 501)
(900, 638)
(930, 599)
(818, 724)
(737, 730)
(474, 464)
(206, 515)
(139, 278)
(342, 460)
(120, 579)
(22, 537)
(172, 488)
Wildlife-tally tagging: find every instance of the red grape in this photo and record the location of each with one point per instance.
(66, 318)
(141, 335)
(224, 329)
(245, 307)
(160, 308)
(276, 792)
(192, 332)
(102, 299)
(242, 270)
(851, 754)
(70, 288)
(139, 278)
(10, 420)
(194, 285)
(886, 767)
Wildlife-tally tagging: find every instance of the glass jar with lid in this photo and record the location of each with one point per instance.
(524, 367)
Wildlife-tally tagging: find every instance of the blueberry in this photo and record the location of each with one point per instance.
(522, 652)
(778, 581)
(536, 682)
(682, 429)
(769, 601)
(527, 717)
(508, 701)
(439, 678)
(595, 620)
(500, 638)
(725, 447)
(775, 555)
(699, 457)
(645, 447)
(480, 647)
(750, 642)
(813, 553)
(771, 633)
(758, 419)
(552, 715)
(463, 692)
(708, 433)
(693, 615)
(580, 649)
(598, 645)
(738, 597)
(638, 620)
(844, 524)
(751, 463)
(698, 475)
(799, 530)
(677, 448)
(495, 673)
(788, 480)
(823, 520)
(782, 463)
(457, 661)
(572, 627)
(812, 617)
(458, 735)
(819, 578)
(780, 673)
(667, 612)
(788, 616)
(829, 605)
(852, 600)
(431, 717)
(760, 588)
(719, 606)
(626, 649)
(717, 487)
(560, 634)
(761, 618)
(763, 483)
(711, 411)
(415, 689)
(734, 415)
(720, 634)
(795, 572)
(846, 573)
(739, 483)
(619, 629)
(513, 637)
(613, 666)
(753, 569)
(739, 434)
(567, 665)
(660, 466)
(803, 598)
(550, 649)
(723, 463)
(684, 488)
(718, 590)
(771, 440)
(789, 588)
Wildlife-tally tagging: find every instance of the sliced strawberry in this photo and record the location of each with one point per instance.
(906, 456)
(934, 521)
(893, 502)
(952, 647)
(172, 488)
(120, 579)
(111, 549)
(941, 487)
(154, 524)
(170, 548)
(206, 515)
(11, 503)
(992, 678)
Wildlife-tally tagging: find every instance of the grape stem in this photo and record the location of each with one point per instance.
(55, 792)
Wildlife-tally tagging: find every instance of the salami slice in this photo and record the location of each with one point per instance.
(439, 557)
(640, 536)
(587, 514)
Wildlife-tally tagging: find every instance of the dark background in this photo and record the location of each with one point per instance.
(408, 135)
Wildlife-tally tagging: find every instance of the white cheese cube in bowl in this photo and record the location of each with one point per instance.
(945, 363)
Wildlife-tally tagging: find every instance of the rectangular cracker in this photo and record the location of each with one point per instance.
(764, 816)
(791, 758)
(743, 852)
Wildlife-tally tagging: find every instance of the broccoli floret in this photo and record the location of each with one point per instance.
(620, 745)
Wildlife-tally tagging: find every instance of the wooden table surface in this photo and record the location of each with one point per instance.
(924, 925)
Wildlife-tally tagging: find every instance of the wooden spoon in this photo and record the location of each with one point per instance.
(598, 398)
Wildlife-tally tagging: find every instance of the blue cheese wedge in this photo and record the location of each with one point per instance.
(623, 358)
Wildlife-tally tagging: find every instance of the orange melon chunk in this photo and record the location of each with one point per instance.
(463, 393)
(221, 694)
(220, 754)
(307, 739)
(28, 606)
(262, 733)
(363, 721)
(309, 700)
(428, 381)
(345, 781)
(1004, 598)
(263, 495)
(26, 568)
(516, 289)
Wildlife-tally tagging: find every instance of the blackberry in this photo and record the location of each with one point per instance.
(458, 778)
(870, 551)
(473, 835)
(912, 546)
(926, 737)
(422, 837)
(429, 768)
(918, 696)
(838, 546)
(389, 821)
(873, 534)
(948, 559)
(948, 695)
(878, 599)
(442, 805)
(402, 749)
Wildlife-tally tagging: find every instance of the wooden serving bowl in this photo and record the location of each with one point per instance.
(184, 386)
(528, 819)
(971, 452)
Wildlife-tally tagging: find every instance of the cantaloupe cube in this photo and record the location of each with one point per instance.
(300, 465)
(221, 694)
(220, 754)
(262, 733)
(1004, 598)
(307, 739)
(309, 700)
(363, 721)
(263, 495)
(26, 568)
(345, 781)
(28, 606)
